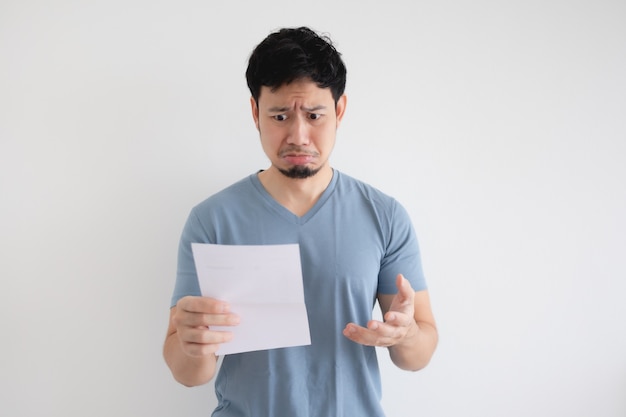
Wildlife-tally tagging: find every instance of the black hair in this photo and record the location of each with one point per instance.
(293, 54)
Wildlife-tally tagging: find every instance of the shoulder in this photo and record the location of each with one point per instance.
(228, 197)
(354, 189)
(227, 206)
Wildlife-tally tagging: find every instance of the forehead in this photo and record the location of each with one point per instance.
(305, 91)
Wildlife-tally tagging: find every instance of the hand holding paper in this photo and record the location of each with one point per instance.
(263, 286)
(196, 318)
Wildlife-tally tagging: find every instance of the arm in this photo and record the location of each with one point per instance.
(190, 344)
(408, 330)
(414, 351)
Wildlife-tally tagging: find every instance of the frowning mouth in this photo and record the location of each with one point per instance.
(298, 156)
(298, 159)
(297, 153)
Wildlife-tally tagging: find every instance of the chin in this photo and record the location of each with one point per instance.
(299, 172)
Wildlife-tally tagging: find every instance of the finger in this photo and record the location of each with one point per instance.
(205, 305)
(206, 336)
(200, 349)
(359, 335)
(376, 334)
(201, 342)
(405, 291)
(210, 320)
(403, 301)
(186, 319)
(398, 319)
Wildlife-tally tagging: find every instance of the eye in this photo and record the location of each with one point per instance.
(315, 116)
(280, 117)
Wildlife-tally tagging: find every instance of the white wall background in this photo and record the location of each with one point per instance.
(500, 125)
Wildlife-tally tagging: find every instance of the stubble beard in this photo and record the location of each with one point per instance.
(299, 172)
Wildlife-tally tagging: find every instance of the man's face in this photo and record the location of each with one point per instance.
(298, 123)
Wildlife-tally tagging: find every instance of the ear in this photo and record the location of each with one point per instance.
(255, 112)
(340, 108)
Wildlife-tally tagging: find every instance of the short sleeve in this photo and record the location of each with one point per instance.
(402, 255)
(186, 276)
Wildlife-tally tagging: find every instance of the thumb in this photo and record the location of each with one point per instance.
(405, 291)
(404, 298)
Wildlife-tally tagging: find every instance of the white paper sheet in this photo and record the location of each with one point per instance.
(263, 285)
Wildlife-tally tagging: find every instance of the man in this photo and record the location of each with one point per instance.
(357, 246)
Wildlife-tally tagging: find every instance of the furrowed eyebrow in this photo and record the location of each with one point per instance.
(313, 109)
(286, 109)
(278, 109)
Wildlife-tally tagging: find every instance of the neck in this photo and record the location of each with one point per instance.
(297, 195)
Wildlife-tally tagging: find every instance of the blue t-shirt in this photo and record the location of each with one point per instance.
(353, 243)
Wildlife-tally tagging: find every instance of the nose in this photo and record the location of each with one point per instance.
(299, 133)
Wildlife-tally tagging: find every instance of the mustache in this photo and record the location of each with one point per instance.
(298, 150)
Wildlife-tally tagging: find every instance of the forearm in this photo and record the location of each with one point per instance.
(416, 350)
(188, 370)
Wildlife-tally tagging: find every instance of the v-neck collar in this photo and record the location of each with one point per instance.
(284, 212)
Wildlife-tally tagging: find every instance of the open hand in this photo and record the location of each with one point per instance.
(399, 322)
